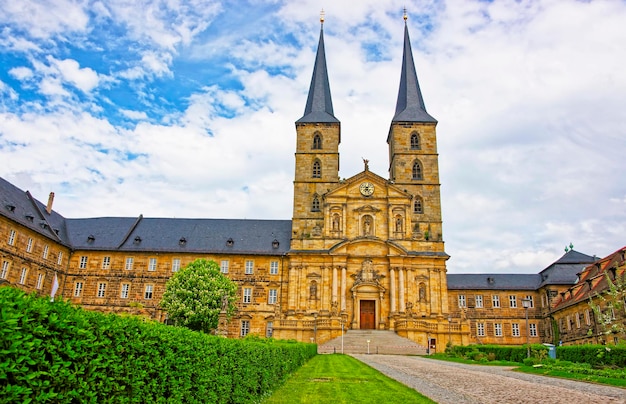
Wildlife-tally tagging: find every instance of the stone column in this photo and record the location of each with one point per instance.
(291, 304)
(392, 289)
(334, 297)
(343, 289)
(401, 287)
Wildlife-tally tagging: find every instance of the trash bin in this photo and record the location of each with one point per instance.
(551, 350)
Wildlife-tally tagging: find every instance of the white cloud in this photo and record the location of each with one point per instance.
(21, 73)
(85, 79)
(136, 115)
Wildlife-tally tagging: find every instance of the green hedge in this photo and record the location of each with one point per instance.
(501, 352)
(55, 352)
(595, 355)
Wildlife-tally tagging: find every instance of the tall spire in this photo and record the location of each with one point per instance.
(410, 105)
(319, 104)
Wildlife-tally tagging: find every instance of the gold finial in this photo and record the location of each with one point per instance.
(322, 14)
(405, 16)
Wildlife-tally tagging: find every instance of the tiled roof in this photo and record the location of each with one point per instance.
(494, 281)
(564, 271)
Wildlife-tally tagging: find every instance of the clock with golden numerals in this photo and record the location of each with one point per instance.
(366, 188)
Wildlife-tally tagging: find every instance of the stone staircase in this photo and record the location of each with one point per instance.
(381, 342)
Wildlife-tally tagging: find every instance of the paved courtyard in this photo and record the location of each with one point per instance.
(455, 383)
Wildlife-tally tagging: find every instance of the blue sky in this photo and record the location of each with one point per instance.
(187, 108)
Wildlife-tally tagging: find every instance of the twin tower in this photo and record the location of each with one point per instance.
(366, 252)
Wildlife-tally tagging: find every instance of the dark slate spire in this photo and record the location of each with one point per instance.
(410, 106)
(319, 105)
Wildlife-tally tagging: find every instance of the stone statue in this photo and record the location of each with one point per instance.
(422, 292)
(367, 226)
(366, 163)
(399, 224)
(224, 302)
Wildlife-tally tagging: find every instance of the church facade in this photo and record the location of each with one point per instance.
(366, 252)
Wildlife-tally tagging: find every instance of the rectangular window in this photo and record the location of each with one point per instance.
(29, 246)
(152, 264)
(495, 301)
(176, 265)
(269, 329)
(569, 323)
(480, 329)
(45, 252)
(60, 258)
(587, 317)
(106, 262)
(513, 301)
(23, 276)
(78, 289)
(11, 240)
(462, 301)
(124, 291)
(245, 327)
(498, 329)
(479, 301)
(129, 263)
(148, 292)
(577, 320)
(102, 287)
(40, 279)
(83, 262)
(249, 267)
(224, 266)
(5, 269)
(531, 301)
(533, 330)
(247, 295)
(273, 267)
(543, 301)
(273, 296)
(515, 330)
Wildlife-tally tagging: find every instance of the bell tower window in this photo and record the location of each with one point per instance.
(415, 141)
(418, 205)
(317, 141)
(315, 205)
(317, 169)
(417, 171)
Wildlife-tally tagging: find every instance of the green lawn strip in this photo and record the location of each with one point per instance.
(342, 379)
(445, 357)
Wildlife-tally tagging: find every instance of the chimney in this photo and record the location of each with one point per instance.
(50, 201)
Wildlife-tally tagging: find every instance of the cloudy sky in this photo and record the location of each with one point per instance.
(186, 108)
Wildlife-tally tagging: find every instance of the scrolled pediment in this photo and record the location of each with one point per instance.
(367, 208)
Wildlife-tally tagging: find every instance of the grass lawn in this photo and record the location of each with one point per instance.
(342, 379)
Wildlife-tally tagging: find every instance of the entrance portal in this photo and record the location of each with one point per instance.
(368, 314)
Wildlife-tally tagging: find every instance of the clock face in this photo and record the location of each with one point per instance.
(367, 188)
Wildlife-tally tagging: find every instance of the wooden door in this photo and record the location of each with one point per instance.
(368, 314)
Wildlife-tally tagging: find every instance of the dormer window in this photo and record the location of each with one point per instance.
(275, 244)
(91, 238)
(10, 207)
(182, 241)
(230, 242)
(137, 240)
(29, 217)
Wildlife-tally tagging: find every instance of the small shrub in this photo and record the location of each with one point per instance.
(491, 356)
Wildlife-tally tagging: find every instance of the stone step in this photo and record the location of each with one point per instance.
(381, 342)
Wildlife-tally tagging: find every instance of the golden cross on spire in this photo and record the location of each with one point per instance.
(404, 15)
(322, 14)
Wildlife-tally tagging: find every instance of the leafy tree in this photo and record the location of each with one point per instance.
(196, 294)
(609, 303)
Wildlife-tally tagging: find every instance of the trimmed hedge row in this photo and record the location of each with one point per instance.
(501, 352)
(55, 352)
(595, 355)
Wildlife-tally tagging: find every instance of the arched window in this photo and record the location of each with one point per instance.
(417, 171)
(317, 141)
(418, 205)
(317, 169)
(315, 205)
(415, 141)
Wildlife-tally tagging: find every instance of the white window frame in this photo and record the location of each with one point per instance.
(245, 328)
(124, 290)
(249, 267)
(60, 258)
(569, 322)
(102, 288)
(273, 267)
(513, 301)
(533, 329)
(224, 264)
(23, 276)
(175, 264)
(495, 301)
(11, 239)
(497, 329)
(480, 329)
(78, 289)
(148, 292)
(577, 316)
(462, 301)
(587, 317)
(531, 301)
(515, 331)
(152, 264)
(46, 249)
(106, 262)
(269, 329)
(247, 295)
(83, 262)
(40, 278)
(5, 269)
(272, 296)
(29, 245)
(478, 300)
(130, 262)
